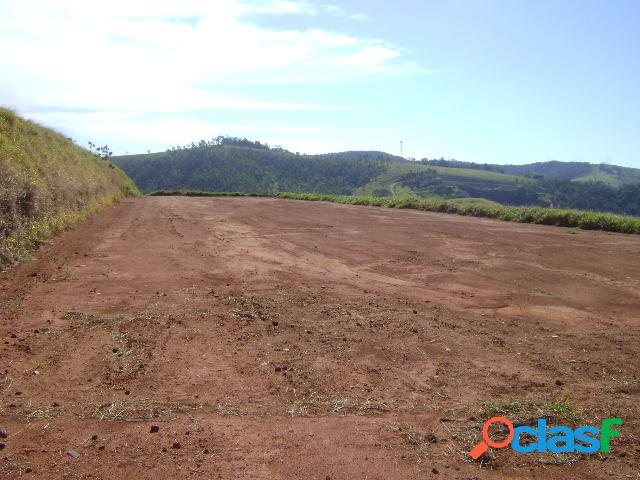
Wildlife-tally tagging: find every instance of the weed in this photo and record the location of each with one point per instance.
(561, 410)
(503, 409)
(228, 410)
(89, 321)
(528, 411)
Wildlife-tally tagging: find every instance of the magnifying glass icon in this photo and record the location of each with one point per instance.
(484, 445)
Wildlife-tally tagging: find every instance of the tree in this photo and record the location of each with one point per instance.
(103, 152)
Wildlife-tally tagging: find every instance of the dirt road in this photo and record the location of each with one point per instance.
(274, 339)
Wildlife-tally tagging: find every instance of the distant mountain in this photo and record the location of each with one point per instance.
(228, 165)
(554, 170)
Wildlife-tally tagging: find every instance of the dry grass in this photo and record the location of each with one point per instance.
(227, 410)
(92, 321)
(89, 321)
(47, 183)
(141, 410)
(43, 413)
(321, 404)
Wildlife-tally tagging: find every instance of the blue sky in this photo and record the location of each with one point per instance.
(487, 81)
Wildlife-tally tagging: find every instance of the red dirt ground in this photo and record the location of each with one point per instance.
(274, 339)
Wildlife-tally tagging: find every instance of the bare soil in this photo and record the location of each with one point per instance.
(275, 339)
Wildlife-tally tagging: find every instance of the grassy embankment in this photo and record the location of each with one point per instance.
(47, 183)
(544, 216)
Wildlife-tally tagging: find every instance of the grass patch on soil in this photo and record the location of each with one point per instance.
(527, 411)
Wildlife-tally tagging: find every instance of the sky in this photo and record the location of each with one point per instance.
(496, 81)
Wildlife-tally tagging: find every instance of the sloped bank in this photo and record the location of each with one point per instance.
(47, 183)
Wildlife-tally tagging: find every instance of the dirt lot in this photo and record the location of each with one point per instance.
(292, 340)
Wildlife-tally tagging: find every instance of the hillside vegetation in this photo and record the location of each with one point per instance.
(46, 184)
(239, 165)
(247, 169)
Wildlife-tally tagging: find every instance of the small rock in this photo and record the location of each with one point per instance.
(274, 323)
(3, 434)
(415, 312)
(435, 471)
(18, 393)
(101, 447)
(559, 382)
(277, 369)
(154, 429)
(206, 451)
(94, 437)
(2, 445)
(73, 454)
(127, 392)
(176, 445)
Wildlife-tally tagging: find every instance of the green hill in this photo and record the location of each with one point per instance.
(47, 183)
(239, 165)
(230, 168)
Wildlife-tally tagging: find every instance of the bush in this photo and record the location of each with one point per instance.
(544, 216)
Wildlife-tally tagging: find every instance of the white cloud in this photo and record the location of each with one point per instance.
(167, 56)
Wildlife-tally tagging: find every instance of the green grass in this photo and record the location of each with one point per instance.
(560, 410)
(47, 183)
(198, 193)
(536, 215)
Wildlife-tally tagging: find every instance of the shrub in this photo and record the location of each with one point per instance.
(544, 216)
